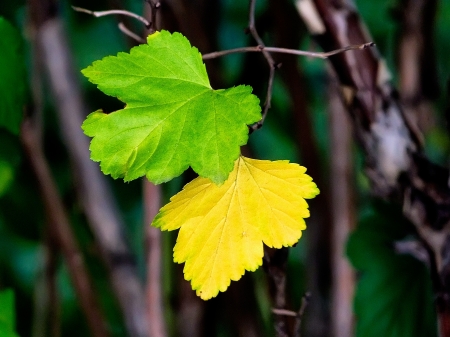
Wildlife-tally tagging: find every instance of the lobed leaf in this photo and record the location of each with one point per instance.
(223, 228)
(173, 118)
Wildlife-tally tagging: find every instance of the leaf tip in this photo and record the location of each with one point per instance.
(88, 126)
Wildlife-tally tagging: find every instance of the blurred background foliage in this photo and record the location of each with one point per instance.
(393, 296)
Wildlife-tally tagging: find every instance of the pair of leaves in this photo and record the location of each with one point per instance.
(393, 297)
(172, 120)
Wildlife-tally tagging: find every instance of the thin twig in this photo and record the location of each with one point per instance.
(129, 33)
(300, 313)
(284, 312)
(270, 61)
(272, 65)
(95, 196)
(114, 12)
(322, 55)
(275, 263)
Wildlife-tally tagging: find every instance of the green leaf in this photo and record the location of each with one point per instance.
(7, 314)
(393, 297)
(12, 77)
(173, 118)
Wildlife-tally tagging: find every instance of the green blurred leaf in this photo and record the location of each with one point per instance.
(173, 118)
(7, 314)
(393, 296)
(10, 155)
(12, 77)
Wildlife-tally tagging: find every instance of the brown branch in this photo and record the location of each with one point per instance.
(155, 310)
(153, 6)
(270, 62)
(287, 32)
(416, 60)
(274, 263)
(284, 312)
(152, 195)
(395, 163)
(92, 189)
(298, 315)
(62, 233)
(301, 312)
(252, 28)
(114, 12)
(322, 55)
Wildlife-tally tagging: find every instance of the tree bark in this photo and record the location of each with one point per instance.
(395, 164)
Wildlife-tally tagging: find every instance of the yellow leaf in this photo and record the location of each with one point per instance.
(223, 228)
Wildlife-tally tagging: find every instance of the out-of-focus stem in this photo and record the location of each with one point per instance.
(342, 209)
(93, 191)
(154, 297)
(62, 233)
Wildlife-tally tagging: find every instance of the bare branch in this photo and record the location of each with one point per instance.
(61, 232)
(129, 33)
(270, 62)
(343, 212)
(267, 51)
(254, 33)
(272, 65)
(300, 313)
(284, 312)
(322, 55)
(274, 264)
(93, 190)
(395, 162)
(114, 12)
(155, 309)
